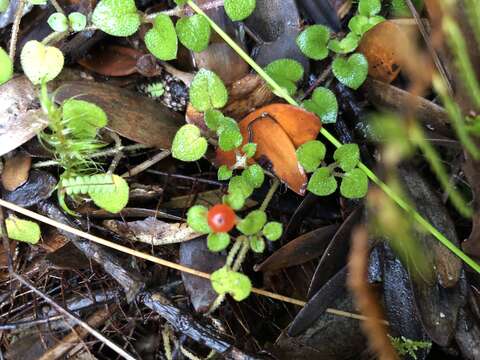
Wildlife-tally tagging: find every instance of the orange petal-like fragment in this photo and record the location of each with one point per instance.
(278, 129)
(381, 47)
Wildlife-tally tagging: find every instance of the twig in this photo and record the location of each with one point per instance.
(57, 6)
(118, 155)
(323, 76)
(15, 28)
(78, 321)
(146, 164)
(357, 281)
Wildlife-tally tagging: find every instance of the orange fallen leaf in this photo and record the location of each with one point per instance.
(278, 129)
(380, 45)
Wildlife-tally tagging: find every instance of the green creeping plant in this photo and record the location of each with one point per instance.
(408, 347)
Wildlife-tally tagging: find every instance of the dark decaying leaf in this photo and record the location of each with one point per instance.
(112, 60)
(196, 255)
(336, 253)
(467, 335)
(40, 186)
(19, 118)
(300, 250)
(15, 171)
(137, 118)
(472, 245)
(152, 231)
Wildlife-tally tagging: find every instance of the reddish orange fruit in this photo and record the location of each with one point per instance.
(221, 218)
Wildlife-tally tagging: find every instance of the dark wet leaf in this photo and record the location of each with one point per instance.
(112, 60)
(40, 186)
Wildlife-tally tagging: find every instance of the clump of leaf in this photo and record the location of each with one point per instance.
(323, 182)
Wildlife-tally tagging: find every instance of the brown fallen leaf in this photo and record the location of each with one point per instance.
(15, 171)
(135, 117)
(380, 47)
(112, 60)
(278, 129)
(152, 231)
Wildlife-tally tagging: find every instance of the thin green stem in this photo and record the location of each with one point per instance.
(371, 175)
(269, 196)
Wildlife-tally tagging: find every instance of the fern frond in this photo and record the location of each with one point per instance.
(99, 183)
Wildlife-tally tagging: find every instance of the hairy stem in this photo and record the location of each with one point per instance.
(269, 196)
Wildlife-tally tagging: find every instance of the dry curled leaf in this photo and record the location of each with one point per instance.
(380, 47)
(112, 60)
(278, 129)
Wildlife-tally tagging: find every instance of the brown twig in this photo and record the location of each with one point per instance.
(374, 328)
(146, 164)
(15, 28)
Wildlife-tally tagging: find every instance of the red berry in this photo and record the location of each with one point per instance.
(221, 218)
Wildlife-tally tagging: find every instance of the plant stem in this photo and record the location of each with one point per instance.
(371, 175)
(15, 27)
(241, 254)
(271, 192)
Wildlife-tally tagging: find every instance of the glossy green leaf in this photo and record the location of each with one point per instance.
(207, 91)
(234, 283)
(252, 223)
(40, 62)
(324, 104)
(238, 10)
(254, 175)
(351, 72)
(213, 119)
(360, 24)
(347, 156)
(112, 201)
(218, 241)
(313, 42)
(116, 17)
(22, 230)
(83, 118)
(322, 182)
(354, 184)
(224, 173)
(286, 72)
(229, 139)
(257, 244)
(197, 219)
(239, 185)
(369, 7)
(6, 67)
(273, 230)
(249, 149)
(311, 154)
(58, 22)
(346, 45)
(161, 40)
(188, 144)
(77, 21)
(194, 32)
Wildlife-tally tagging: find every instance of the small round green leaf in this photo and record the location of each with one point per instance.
(4, 4)
(360, 24)
(22, 230)
(180, 2)
(322, 182)
(351, 72)
(239, 185)
(161, 40)
(254, 175)
(40, 62)
(346, 45)
(273, 230)
(116, 17)
(218, 241)
(257, 244)
(188, 144)
(194, 32)
(249, 149)
(238, 10)
(234, 283)
(324, 104)
(207, 91)
(354, 184)
(229, 139)
(213, 119)
(197, 219)
(286, 72)
(83, 118)
(347, 156)
(313, 42)
(235, 200)
(224, 173)
(252, 223)
(311, 154)
(77, 21)
(6, 67)
(112, 201)
(58, 22)
(369, 7)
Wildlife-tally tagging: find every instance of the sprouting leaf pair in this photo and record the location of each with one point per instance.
(59, 22)
(354, 182)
